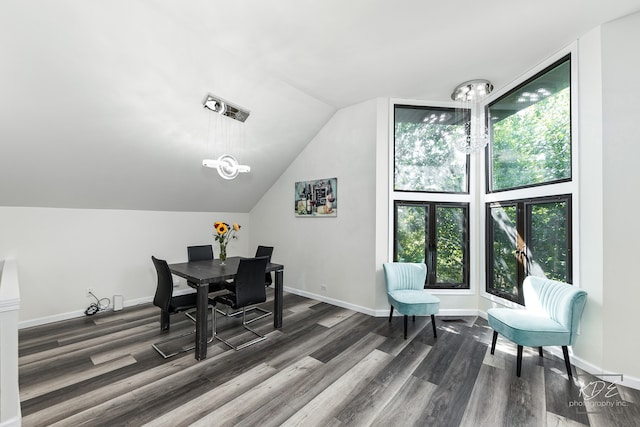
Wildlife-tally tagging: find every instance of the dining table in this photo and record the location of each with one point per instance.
(200, 274)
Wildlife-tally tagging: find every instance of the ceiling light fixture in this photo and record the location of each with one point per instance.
(227, 165)
(225, 108)
(473, 136)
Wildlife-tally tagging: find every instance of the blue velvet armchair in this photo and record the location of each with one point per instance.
(406, 293)
(550, 318)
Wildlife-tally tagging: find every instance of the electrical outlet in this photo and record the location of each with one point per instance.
(89, 291)
(323, 287)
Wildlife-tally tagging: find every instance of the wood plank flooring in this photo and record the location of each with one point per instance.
(327, 366)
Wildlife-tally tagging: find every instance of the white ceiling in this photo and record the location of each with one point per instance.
(101, 100)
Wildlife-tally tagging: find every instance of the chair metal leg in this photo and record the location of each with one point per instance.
(433, 324)
(405, 326)
(266, 313)
(493, 341)
(390, 314)
(519, 361)
(166, 356)
(567, 363)
(540, 351)
(259, 338)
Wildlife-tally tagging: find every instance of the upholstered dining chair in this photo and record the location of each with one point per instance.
(199, 253)
(249, 290)
(405, 292)
(550, 317)
(169, 304)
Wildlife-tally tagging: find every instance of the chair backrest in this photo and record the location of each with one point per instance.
(265, 251)
(164, 290)
(560, 301)
(249, 283)
(404, 275)
(199, 253)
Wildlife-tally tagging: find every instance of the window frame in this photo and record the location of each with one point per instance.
(472, 197)
(431, 233)
(418, 106)
(523, 229)
(553, 189)
(488, 167)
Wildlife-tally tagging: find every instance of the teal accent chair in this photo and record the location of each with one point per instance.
(406, 293)
(550, 317)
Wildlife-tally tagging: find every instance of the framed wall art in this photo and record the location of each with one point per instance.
(318, 198)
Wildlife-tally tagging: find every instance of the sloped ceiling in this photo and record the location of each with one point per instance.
(100, 101)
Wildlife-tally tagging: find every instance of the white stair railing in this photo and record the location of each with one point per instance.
(10, 414)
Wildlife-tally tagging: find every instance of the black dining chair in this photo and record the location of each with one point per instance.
(199, 253)
(171, 305)
(203, 253)
(249, 290)
(265, 251)
(261, 251)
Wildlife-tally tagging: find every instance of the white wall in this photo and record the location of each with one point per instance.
(621, 154)
(589, 345)
(337, 252)
(61, 252)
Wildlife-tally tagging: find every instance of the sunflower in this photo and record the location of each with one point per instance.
(221, 228)
(236, 227)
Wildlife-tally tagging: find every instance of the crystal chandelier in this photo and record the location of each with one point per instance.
(227, 165)
(473, 135)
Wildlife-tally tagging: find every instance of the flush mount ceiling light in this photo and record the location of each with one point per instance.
(227, 165)
(225, 108)
(474, 135)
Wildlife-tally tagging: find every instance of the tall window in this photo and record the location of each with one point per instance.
(531, 131)
(424, 160)
(431, 229)
(530, 148)
(436, 234)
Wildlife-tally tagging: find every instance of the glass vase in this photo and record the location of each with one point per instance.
(223, 254)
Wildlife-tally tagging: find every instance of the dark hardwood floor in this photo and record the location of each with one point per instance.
(327, 366)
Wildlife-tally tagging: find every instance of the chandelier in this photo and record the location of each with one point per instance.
(473, 135)
(227, 165)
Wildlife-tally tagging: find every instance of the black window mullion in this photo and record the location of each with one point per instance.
(521, 249)
(431, 249)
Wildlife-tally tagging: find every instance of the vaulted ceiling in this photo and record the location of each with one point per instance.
(100, 101)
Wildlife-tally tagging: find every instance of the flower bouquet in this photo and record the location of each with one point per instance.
(223, 234)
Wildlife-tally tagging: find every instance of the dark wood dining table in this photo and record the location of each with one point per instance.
(199, 274)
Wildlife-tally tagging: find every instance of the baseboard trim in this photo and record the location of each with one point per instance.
(445, 312)
(80, 313)
(12, 422)
(331, 301)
